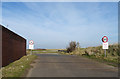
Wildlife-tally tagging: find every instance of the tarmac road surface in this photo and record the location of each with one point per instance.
(55, 65)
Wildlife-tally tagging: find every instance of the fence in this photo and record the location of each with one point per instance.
(13, 46)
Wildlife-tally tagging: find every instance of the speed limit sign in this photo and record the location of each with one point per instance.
(105, 42)
(31, 44)
(105, 39)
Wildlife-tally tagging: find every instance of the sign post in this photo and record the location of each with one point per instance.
(105, 43)
(31, 46)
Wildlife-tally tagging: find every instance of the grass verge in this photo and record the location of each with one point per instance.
(106, 60)
(17, 68)
(43, 51)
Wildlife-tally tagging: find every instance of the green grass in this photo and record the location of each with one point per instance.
(18, 68)
(43, 51)
(110, 60)
(106, 60)
(97, 53)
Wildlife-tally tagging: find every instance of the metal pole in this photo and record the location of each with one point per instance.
(31, 52)
(105, 52)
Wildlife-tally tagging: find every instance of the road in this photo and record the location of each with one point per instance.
(55, 65)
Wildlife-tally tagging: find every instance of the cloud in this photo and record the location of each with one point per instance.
(53, 25)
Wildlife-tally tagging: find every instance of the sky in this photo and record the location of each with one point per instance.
(53, 25)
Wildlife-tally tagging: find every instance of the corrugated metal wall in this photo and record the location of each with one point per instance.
(13, 46)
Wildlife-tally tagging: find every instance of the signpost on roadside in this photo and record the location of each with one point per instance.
(31, 46)
(105, 43)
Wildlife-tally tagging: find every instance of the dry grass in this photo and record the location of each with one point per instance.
(17, 68)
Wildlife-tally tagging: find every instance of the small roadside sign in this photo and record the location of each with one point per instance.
(105, 43)
(31, 44)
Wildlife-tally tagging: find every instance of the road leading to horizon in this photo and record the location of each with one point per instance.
(56, 65)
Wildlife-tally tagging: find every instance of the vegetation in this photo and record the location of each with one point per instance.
(97, 53)
(17, 68)
(43, 51)
(72, 46)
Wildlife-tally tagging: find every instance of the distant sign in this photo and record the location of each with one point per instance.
(31, 44)
(105, 42)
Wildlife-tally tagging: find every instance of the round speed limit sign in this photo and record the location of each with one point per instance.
(31, 42)
(105, 39)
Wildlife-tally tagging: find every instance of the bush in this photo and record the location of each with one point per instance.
(72, 46)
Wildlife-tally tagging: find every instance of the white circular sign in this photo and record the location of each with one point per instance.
(31, 42)
(105, 39)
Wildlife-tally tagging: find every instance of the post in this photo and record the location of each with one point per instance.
(105, 52)
(31, 52)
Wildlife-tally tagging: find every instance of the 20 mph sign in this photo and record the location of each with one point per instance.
(31, 44)
(105, 42)
(105, 39)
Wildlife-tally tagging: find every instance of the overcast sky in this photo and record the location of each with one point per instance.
(55, 24)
